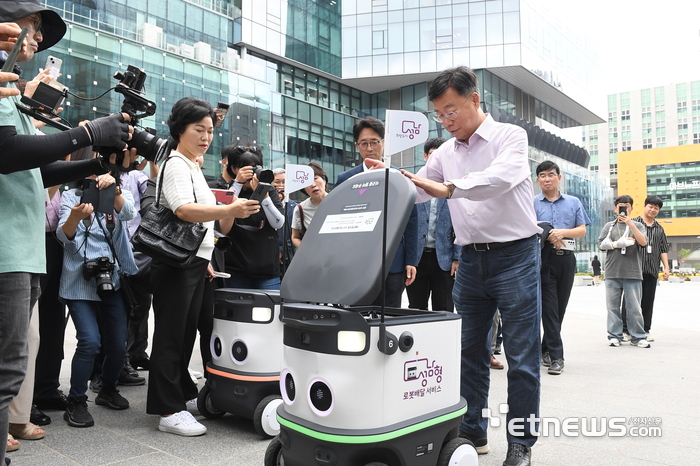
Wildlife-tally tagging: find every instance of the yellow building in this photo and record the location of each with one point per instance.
(673, 174)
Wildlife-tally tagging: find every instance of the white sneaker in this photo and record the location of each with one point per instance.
(641, 343)
(649, 337)
(192, 406)
(625, 337)
(614, 342)
(182, 423)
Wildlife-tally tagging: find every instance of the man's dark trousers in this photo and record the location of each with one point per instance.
(431, 277)
(649, 283)
(557, 281)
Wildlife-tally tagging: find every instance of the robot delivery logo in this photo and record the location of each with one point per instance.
(423, 370)
(428, 373)
(410, 129)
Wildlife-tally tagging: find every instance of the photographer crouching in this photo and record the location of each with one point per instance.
(98, 253)
(22, 182)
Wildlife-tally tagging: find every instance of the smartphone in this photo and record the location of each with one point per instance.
(224, 196)
(221, 275)
(102, 200)
(47, 97)
(260, 192)
(220, 111)
(53, 64)
(623, 210)
(12, 57)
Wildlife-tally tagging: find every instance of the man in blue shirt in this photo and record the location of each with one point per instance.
(569, 220)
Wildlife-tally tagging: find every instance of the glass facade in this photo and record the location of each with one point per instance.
(678, 184)
(278, 64)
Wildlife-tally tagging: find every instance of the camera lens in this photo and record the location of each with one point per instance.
(148, 145)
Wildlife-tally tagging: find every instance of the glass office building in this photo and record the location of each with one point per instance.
(298, 73)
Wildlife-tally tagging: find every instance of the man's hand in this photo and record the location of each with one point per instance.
(245, 174)
(374, 164)
(666, 274)
(6, 91)
(433, 188)
(410, 274)
(9, 32)
(453, 269)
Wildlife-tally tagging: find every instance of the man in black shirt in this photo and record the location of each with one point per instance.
(655, 252)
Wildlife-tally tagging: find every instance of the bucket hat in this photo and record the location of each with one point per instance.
(53, 27)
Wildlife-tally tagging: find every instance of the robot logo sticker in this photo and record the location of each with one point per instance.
(409, 129)
(302, 176)
(429, 374)
(421, 369)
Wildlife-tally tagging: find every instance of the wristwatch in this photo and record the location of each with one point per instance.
(450, 188)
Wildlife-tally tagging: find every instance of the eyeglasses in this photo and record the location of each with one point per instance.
(543, 176)
(365, 145)
(452, 116)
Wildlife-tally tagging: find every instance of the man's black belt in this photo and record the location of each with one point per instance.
(482, 247)
(561, 252)
(428, 249)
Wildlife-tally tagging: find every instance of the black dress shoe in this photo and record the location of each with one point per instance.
(38, 417)
(143, 363)
(128, 376)
(518, 455)
(57, 403)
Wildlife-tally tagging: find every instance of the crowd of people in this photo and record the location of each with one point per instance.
(71, 251)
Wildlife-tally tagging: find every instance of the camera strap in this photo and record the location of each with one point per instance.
(110, 237)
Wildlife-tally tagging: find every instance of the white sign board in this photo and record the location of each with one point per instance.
(350, 223)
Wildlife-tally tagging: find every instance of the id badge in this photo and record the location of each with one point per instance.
(648, 249)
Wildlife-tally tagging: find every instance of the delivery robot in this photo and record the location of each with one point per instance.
(364, 385)
(246, 347)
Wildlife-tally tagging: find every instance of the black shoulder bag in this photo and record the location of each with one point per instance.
(164, 236)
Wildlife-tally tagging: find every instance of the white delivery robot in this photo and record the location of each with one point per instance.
(364, 385)
(246, 348)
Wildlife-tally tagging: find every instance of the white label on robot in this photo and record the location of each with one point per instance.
(350, 223)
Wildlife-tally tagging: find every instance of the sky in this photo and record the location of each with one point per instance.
(645, 43)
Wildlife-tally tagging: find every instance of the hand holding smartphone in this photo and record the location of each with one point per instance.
(53, 64)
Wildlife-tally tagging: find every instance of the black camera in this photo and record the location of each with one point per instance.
(147, 144)
(264, 176)
(101, 269)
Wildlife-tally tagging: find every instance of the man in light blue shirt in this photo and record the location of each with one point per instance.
(568, 219)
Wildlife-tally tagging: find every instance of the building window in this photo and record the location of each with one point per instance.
(660, 108)
(613, 169)
(613, 148)
(646, 128)
(660, 126)
(625, 115)
(682, 139)
(661, 141)
(626, 146)
(696, 138)
(646, 143)
(612, 117)
(682, 105)
(594, 168)
(612, 132)
(696, 105)
(682, 123)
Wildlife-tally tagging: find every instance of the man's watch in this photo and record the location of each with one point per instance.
(450, 188)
